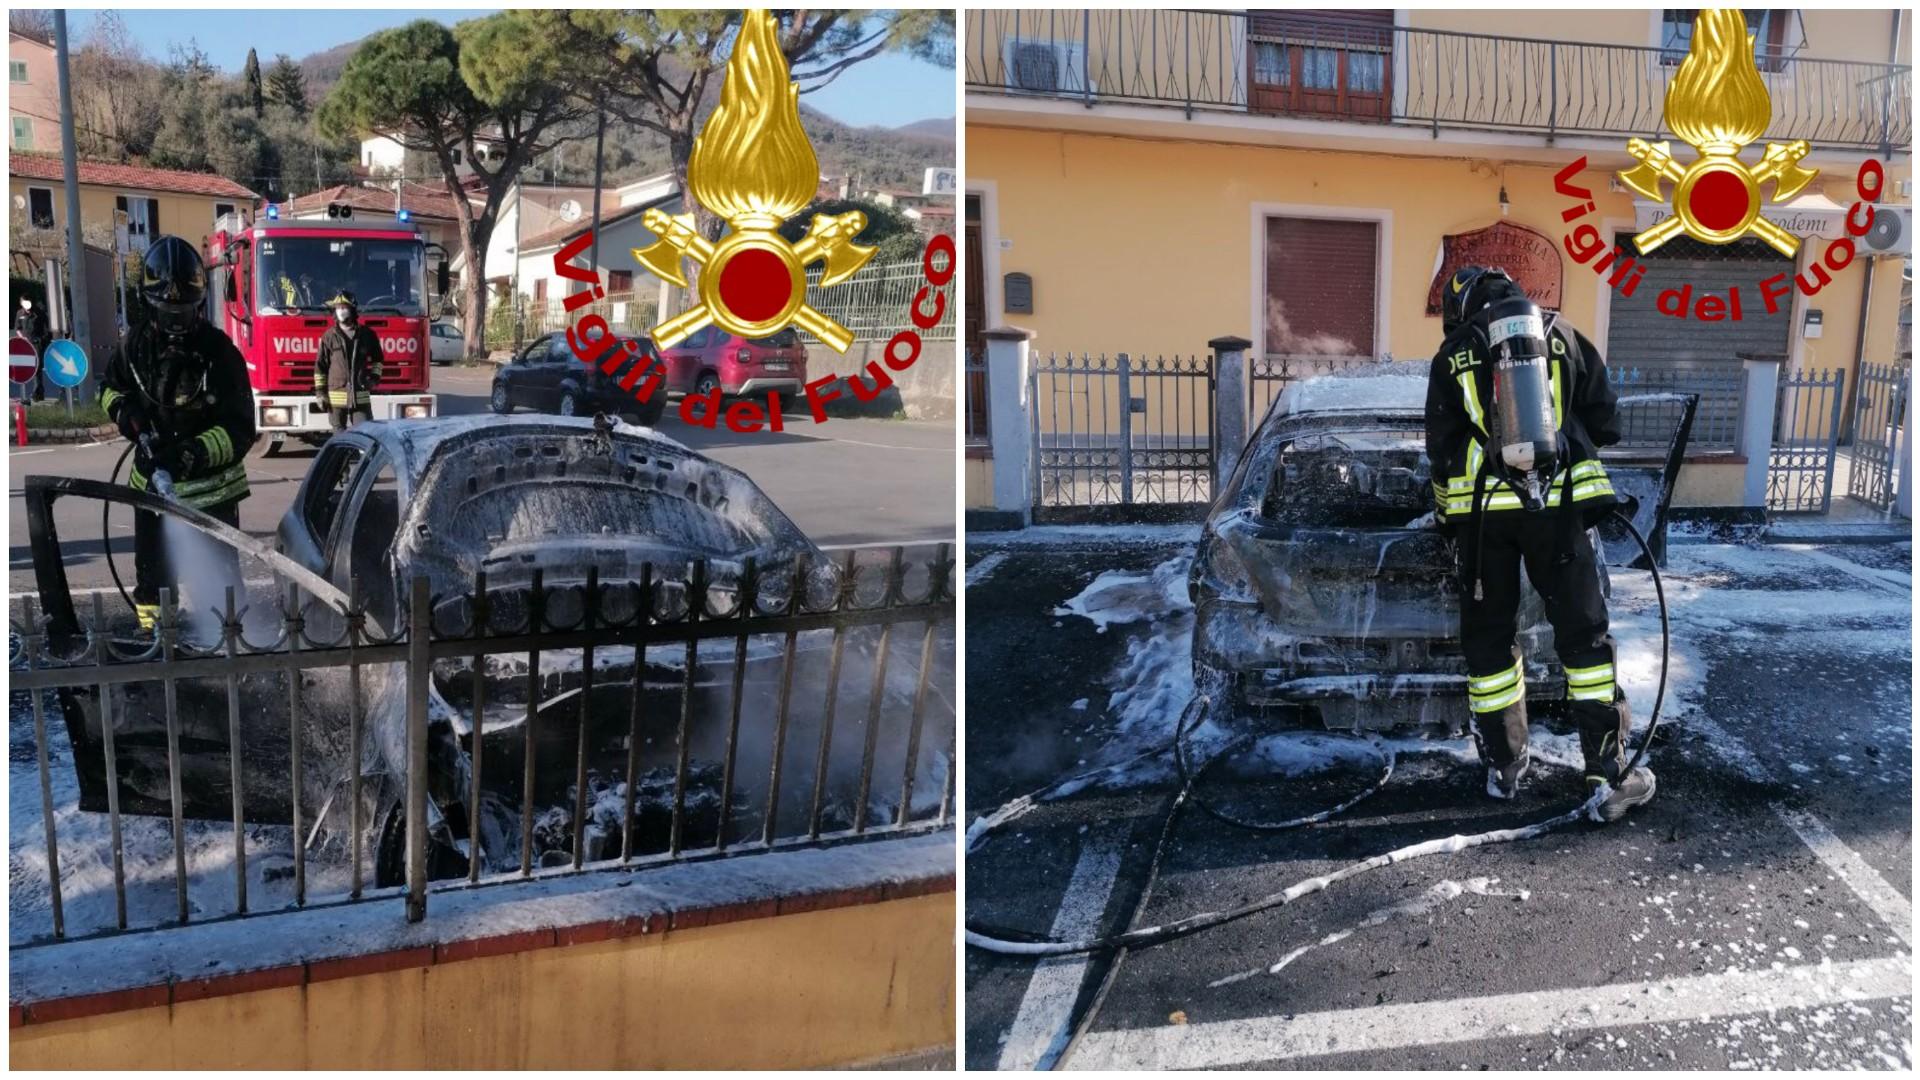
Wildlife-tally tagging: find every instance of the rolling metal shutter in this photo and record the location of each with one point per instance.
(1321, 282)
(1638, 333)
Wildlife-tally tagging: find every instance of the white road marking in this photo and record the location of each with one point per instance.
(1045, 1021)
(891, 446)
(1230, 1043)
(982, 570)
(1873, 890)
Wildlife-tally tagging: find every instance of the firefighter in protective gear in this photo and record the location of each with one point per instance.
(349, 364)
(1499, 538)
(177, 388)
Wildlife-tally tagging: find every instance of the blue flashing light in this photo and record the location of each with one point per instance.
(403, 215)
(273, 212)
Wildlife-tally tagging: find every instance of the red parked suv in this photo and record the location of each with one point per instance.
(711, 357)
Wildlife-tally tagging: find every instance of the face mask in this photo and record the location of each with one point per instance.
(343, 314)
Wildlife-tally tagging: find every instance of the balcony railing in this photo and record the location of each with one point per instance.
(1276, 64)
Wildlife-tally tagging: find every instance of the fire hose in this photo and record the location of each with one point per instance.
(1018, 942)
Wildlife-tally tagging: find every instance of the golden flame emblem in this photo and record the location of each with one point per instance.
(753, 166)
(1718, 103)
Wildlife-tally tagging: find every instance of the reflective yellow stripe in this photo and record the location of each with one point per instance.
(1559, 393)
(1470, 390)
(108, 398)
(1591, 693)
(1495, 704)
(1498, 681)
(1590, 676)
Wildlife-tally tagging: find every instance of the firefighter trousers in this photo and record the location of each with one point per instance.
(347, 417)
(1564, 570)
(155, 568)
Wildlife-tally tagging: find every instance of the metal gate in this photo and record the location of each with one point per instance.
(1269, 376)
(1878, 414)
(1806, 430)
(1115, 433)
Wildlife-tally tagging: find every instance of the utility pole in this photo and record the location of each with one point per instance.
(599, 166)
(76, 249)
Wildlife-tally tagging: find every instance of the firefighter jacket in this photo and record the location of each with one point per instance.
(213, 421)
(1459, 400)
(349, 364)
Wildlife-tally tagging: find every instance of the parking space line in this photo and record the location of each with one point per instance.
(1045, 1021)
(1860, 876)
(1387, 1027)
(984, 569)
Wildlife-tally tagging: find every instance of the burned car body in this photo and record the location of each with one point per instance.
(509, 521)
(1325, 591)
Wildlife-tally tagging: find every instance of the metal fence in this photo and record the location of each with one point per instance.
(729, 653)
(1269, 376)
(1806, 430)
(1279, 63)
(979, 404)
(1721, 388)
(1879, 414)
(878, 302)
(1121, 431)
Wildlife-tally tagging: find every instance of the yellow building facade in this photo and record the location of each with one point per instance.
(1140, 181)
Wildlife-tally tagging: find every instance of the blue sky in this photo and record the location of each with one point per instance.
(887, 91)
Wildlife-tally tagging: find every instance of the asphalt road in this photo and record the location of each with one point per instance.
(847, 481)
(1758, 914)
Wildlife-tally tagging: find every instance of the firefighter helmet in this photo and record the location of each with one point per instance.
(1469, 290)
(173, 282)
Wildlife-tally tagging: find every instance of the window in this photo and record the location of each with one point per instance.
(40, 207)
(1322, 287)
(540, 291)
(619, 281)
(1767, 25)
(22, 133)
(537, 352)
(221, 209)
(456, 156)
(143, 220)
(326, 486)
(17, 71)
(1327, 63)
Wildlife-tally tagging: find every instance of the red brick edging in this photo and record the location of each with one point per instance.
(182, 990)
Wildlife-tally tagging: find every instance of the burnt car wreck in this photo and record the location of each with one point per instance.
(629, 644)
(1324, 590)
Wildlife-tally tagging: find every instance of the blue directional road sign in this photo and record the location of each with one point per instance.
(66, 363)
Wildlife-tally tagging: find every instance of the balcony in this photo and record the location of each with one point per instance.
(1357, 70)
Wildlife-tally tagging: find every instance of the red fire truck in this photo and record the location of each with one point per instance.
(271, 280)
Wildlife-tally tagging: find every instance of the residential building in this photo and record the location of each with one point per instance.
(157, 202)
(1150, 181)
(383, 153)
(33, 95)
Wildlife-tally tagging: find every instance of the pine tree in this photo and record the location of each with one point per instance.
(286, 84)
(255, 96)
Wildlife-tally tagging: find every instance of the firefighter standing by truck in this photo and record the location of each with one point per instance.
(177, 388)
(349, 364)
(1507, 521)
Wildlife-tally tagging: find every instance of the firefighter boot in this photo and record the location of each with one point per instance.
(1603, 742)
(1501, 739)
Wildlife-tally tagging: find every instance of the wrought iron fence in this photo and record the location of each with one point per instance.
(1269, 376)
(627, 313)
(979, 404)
(878, 302)
(1122, 431)
(1806, 431)
(703, 673)
(1279, 63)
(1879, 415)
(1720, 387)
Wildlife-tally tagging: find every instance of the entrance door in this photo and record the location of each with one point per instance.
(976, 316)
(1637, 333)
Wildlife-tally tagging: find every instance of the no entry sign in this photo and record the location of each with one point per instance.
(22, 361)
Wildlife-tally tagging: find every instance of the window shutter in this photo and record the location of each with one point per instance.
(153, 217)
(1322, 286)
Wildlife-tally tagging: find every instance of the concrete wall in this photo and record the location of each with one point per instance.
(808, 989)
(926, 390)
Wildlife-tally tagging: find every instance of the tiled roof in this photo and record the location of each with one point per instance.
(133, 177)
(420, 200)
(559, 235)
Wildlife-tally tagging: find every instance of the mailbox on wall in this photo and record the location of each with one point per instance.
(1018, 294)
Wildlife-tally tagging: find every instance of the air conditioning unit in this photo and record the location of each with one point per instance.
(1891, 232)
(1045, 67)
